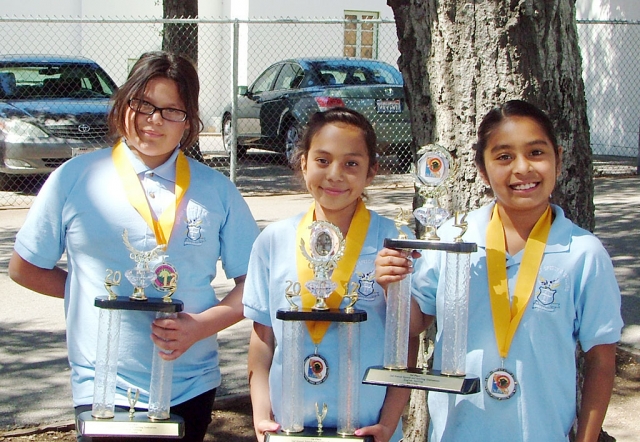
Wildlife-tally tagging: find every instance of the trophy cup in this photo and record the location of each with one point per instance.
(434, 171)
(326, 248)
(104, 419)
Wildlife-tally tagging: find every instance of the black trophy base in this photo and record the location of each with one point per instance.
(425, 244)
(420, 380)
(331, 315)
(121, 425)
(310, 434)
(148, 305)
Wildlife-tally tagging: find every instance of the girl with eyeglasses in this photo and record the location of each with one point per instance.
(191, 214)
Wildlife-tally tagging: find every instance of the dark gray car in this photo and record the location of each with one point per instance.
(51, 108)
(276, 107)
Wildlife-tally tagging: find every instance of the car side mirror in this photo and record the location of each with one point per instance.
(243, 90)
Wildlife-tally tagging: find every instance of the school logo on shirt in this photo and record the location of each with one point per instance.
(365, 274)
(194, 232)
(545, 295)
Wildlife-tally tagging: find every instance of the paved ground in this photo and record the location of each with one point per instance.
(33, 367)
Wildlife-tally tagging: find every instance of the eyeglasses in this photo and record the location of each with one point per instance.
(168, 113)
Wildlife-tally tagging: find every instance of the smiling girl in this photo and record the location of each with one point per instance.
(337, 160)
(539, 285)
(147, 187)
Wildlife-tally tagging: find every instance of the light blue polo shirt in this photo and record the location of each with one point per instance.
(272, 264)
(83, 209)
(575, 298)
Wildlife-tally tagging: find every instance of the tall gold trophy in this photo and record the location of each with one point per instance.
(434, 173)
(326, 247)
(104, 420)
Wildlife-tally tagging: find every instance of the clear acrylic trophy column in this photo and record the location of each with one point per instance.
(161, 376)
(434, 170)
(456, 314)
(292, 419)
(104, 386)
(349, 366)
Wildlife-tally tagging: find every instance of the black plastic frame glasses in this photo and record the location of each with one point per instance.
(167, 113)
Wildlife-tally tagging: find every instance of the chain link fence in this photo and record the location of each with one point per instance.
(260, 81)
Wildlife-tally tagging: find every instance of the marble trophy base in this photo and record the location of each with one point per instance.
(418, 379)
(122, 425)
(310, 434)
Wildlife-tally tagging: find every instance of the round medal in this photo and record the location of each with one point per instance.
(500, 384)
(166, 276)
(316, 369)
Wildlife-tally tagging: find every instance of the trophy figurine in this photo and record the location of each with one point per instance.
(104, 419)
(434, 172)
(326, 247)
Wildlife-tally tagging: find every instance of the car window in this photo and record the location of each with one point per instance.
(264, 81)
(33, 81)
(366, 73)
(290, 77)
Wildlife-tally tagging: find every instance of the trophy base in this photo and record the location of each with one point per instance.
(311, 434)
(425, 244)
(418, 379)
(149, 305)
(331, 315)
(121, 425)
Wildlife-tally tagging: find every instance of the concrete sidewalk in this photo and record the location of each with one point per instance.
(34, 375)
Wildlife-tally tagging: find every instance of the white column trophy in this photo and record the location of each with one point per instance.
(326, 248)
(434, 172)
(104, 420)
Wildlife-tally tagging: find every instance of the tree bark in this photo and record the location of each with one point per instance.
(460, 58)
(181, 38)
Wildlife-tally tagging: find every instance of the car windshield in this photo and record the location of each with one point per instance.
(28, 81)
(356, 73)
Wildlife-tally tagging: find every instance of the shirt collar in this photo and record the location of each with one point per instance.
(166, 170)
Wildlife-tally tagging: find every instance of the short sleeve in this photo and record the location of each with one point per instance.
(256, 287)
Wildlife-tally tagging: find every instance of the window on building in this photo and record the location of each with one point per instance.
(361, 39)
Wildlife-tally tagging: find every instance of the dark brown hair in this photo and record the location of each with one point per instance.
(336, 115)
(513, 108)
(153, 65)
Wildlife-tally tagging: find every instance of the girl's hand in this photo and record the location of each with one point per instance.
(393, 265)
(263, 426)
(379, 432)
(174, 336)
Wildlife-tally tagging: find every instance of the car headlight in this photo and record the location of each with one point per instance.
(16, 130)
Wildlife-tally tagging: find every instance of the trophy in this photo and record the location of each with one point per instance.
(326, 248)
(104, 419)
(434, 172)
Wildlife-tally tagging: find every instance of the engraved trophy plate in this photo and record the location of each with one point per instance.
(435, 172)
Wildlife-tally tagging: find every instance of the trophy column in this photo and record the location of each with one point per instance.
(292, 419)
(104, 386)
(161, 375)
(397, 324)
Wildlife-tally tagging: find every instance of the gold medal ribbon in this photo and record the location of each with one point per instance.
(341, 275)
(506, 315)
(164, 225)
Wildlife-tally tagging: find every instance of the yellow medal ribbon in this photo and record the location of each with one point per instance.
(506, 315)
(341, 275)
(164, 225)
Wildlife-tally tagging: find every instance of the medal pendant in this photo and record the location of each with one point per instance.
(166, 276)
(500, 384)
(315, 369)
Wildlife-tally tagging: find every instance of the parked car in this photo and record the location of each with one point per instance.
(51, 108)
(273, 111)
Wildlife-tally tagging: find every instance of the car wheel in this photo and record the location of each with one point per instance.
(227, 138)
(291, 138)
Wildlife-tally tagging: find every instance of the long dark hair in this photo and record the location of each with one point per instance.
(512, 108)
(153, 65)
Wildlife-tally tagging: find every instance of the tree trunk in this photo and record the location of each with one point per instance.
(459, 59)
(181, 38)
